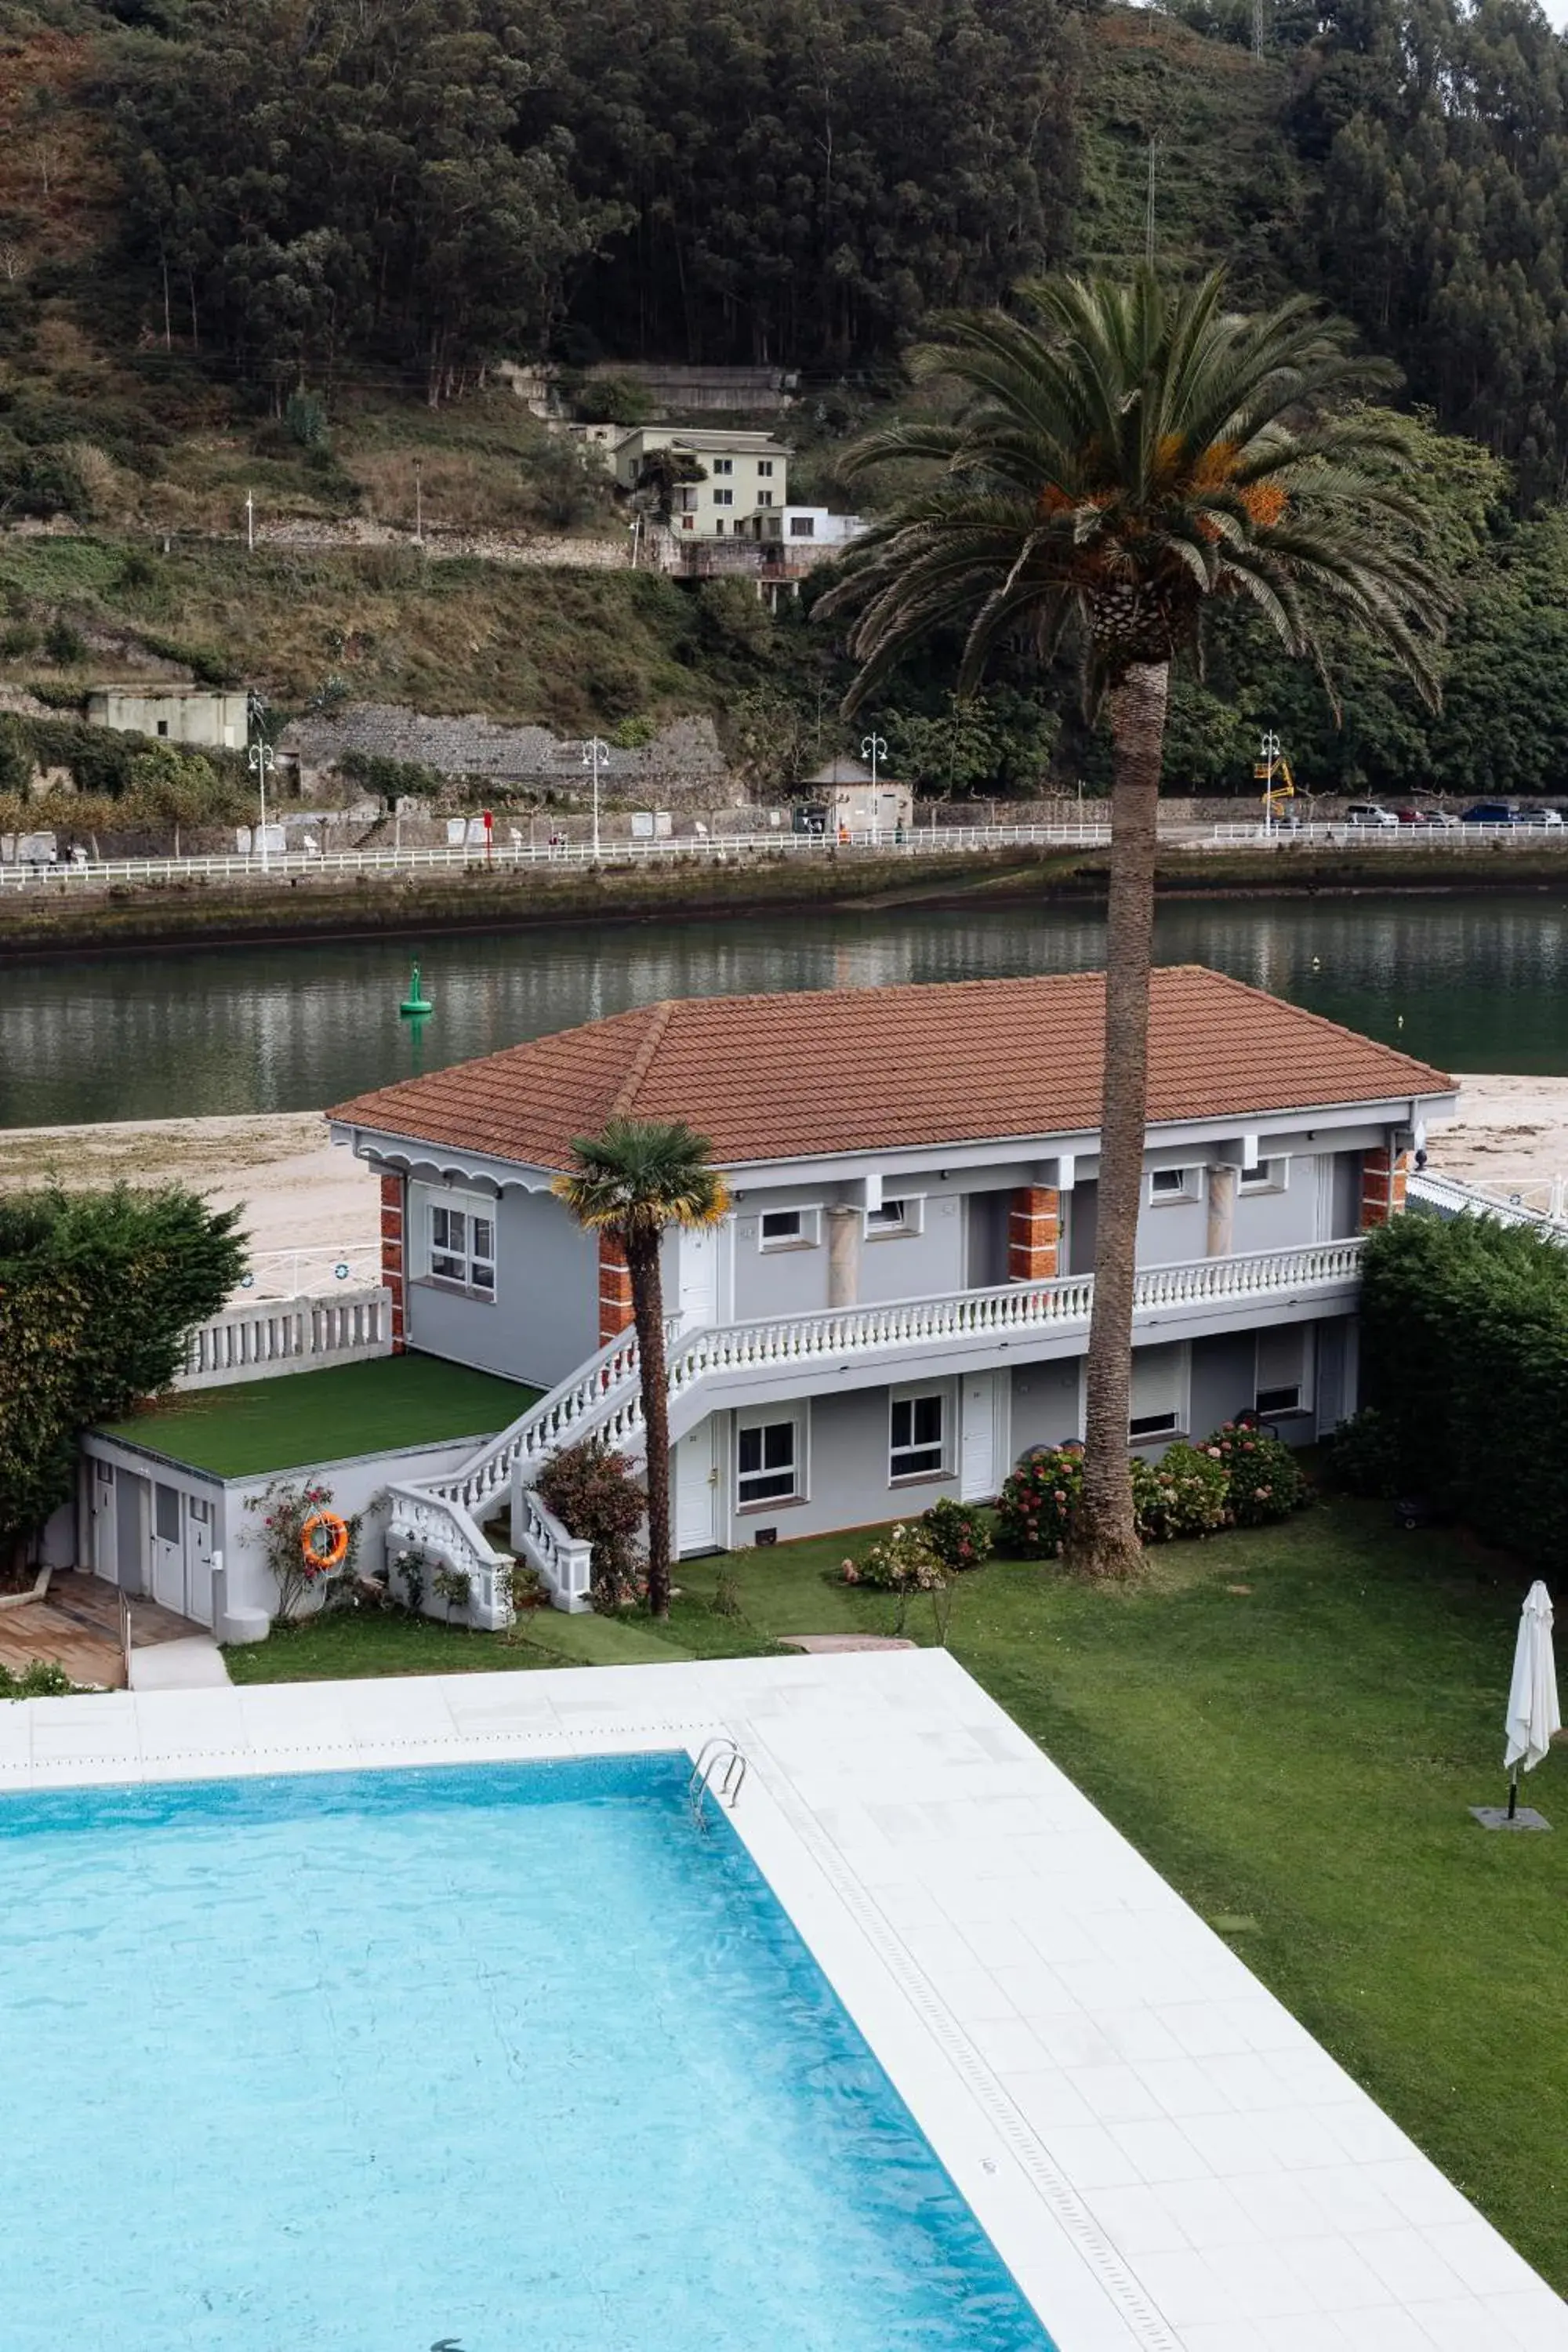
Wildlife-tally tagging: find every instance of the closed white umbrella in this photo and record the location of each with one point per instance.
(1533, 1713)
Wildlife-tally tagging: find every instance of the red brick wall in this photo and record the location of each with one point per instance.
(1382, 1187)
(393, 1263)
(615, 1291)
(1034, 1234)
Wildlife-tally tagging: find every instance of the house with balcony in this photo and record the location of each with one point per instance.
(897, 1305)
(744, 477)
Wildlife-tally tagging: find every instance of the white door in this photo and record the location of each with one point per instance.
(102, 1523)
(1323, 1197)
(697, 1497)
(198, 1602)
(168, 1548)
(699, 1278)
(982, 1437)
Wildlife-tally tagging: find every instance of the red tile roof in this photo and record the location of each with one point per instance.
(791, 1077)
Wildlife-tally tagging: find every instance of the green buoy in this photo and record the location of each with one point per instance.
(416, 1005)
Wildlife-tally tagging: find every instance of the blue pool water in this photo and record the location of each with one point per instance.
(508, 2056)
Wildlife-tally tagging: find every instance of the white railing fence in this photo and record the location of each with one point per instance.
(1257, 836)
(291, 1274)
(423, 1525)
(1447, 1197)
(707, 848)
(287, 1335)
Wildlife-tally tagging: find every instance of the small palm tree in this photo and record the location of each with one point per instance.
(1123, 455)
(631, 1183)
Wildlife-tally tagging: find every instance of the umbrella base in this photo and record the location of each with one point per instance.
(1496, 1817)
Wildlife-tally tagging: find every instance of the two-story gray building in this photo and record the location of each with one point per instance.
(897, 1305)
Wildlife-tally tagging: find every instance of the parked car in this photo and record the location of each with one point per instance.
(1367, 812)
(1550, 817)
(1426, 816)
(1490, 812)
(1443, 818)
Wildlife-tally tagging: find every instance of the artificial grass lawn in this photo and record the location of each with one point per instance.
(1291, 1725)
(311, 1417)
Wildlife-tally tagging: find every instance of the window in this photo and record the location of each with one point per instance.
(166, 1513)
(1284, 1383)
(802, 527)
(917, 1435)
(686, 522)
(463, 1245)
(162, 726)
(723, 465)
(1172, 1185)
(767, 1463)
(723, 498)
(1159, 1400)
(893, 1219)
(765, 467)
(788, 1229)
(1264, 1176)
(764, 498)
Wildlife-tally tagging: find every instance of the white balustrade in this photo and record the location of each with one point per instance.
(254, 1341)
(604, 1400)
(564, 1560)
(444, 1536)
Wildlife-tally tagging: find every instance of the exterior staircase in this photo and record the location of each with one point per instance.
(796, 1355)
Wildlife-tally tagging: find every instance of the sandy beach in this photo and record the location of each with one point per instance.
(300, 1194)
(303, 1193)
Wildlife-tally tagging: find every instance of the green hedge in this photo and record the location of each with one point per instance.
(1464, 1360)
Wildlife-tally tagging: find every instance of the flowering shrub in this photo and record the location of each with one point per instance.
(958, 1535)
(285, 1507)
(592, 1491)
(1038, 1501)
(903, 1560)
(1265, 1478)
(1185, 1493)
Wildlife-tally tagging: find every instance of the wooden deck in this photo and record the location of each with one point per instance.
(78, 1625)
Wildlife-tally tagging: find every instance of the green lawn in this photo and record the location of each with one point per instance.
(303, 1418)
(1291, 1725)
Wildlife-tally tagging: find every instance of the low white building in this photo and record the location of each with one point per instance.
(209, 718)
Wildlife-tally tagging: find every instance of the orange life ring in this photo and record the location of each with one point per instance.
(336, 1531)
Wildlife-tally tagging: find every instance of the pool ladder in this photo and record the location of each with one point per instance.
(719, 1759)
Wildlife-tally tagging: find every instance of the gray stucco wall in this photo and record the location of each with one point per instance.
(1222, 1380)
(1347, 1194)
(544, 1319)
(849, 1485)
(1284, 1220)
(1047, 1404)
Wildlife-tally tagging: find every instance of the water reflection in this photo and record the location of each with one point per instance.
(1473, 984)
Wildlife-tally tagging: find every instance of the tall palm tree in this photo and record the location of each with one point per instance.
(631, 1183)
(1123, 455)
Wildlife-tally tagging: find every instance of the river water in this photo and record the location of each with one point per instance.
(1472, 983)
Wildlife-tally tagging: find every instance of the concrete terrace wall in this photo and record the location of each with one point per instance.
(684, 758)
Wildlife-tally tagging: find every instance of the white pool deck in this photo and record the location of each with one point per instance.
(1166, 2160)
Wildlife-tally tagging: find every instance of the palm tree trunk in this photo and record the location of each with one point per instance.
(1104, 1541)
(647, 1313)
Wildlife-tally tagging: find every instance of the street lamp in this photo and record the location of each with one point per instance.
(260, 759)
(874, 748)
(1268, 746)
(595, 750)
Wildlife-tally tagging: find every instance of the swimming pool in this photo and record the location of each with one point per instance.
(508, 2056)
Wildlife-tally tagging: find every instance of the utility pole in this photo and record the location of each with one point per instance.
(595, 750)
(874, 748)
(260, 759)
(1258, 27)
(249, 523)
(419, 500)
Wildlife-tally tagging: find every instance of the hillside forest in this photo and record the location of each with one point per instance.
(282, 245)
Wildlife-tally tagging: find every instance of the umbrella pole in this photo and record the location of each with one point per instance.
(1513, 1793)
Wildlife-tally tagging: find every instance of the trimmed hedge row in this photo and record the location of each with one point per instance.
(1465, 1363)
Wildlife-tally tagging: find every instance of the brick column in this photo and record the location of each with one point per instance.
(615, 1291)
(393, 1261)
(1034, 1234)
(1382, 1187)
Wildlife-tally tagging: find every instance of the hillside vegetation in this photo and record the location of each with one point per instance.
(266, 248)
